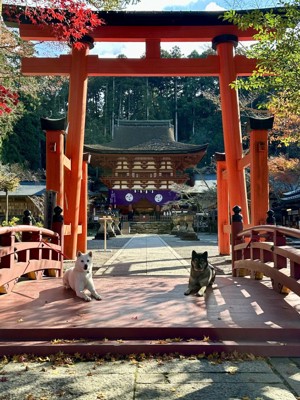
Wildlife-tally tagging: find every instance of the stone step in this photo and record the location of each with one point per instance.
(156, 227)
(187, 334)
(161, 346)
(125, 341)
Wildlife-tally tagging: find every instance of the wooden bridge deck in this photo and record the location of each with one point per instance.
(143, 311)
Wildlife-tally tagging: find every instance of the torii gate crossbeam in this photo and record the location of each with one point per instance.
(149, 66)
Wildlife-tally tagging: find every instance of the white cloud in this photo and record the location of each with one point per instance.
(187, 47)
(213, 7)
(112, 50)
(136, 50)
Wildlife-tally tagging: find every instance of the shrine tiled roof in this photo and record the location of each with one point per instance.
(144, 137)
(291, 197)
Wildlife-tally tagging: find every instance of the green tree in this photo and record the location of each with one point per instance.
(12, 84)
(77, 16)
(25, 143)
(195, 100)
(278, 53)
(9, 181)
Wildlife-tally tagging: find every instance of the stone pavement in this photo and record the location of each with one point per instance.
(157, 377)
(145, 255)
(155, 254)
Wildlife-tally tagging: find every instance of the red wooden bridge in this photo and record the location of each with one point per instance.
(143, 307)
(264, 251)
(28, 251)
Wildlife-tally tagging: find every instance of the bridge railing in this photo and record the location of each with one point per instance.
(264, 250)
(28, 251)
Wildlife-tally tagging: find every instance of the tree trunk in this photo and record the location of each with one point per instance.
(6, 211)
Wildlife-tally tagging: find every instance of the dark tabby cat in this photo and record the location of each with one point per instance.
(202, 274)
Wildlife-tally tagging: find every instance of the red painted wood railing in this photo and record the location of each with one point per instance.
(263, 250)
(28, 251)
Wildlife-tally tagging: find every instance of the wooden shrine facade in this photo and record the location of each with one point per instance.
(151, 28)
(156, 171)
(144, 156)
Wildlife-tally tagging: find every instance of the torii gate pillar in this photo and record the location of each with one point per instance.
(259, 178)
(55, 131)
(75, 142)
(225, 45)
(83, 221)
(223, 205)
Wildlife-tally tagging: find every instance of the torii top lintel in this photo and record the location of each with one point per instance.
(165, 26)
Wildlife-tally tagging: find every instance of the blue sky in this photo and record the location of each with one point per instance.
(136, 50)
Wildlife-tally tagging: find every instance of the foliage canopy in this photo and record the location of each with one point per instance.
(278, 53)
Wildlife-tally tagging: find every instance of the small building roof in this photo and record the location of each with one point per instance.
(291, 197)
(27, 189)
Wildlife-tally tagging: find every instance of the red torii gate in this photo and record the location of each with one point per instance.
(152, 28)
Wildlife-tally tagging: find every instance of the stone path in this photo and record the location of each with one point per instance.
(145, 255)
(157, 379)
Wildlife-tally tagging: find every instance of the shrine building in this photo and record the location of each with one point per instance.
(142, 163)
